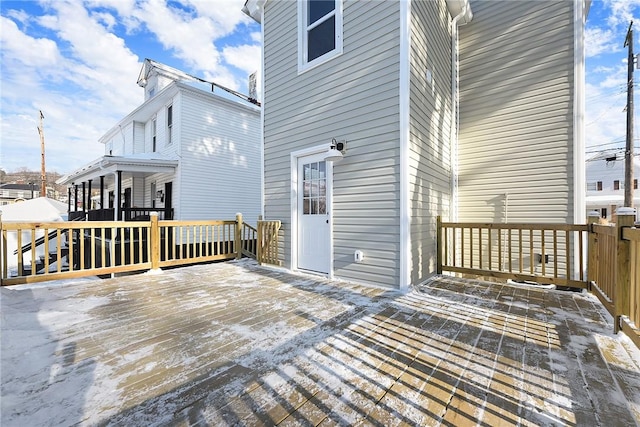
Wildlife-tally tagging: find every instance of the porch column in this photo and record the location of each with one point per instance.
(84, 196)
(102, 192)
(69, 199)
(117, 207)
(89, 195)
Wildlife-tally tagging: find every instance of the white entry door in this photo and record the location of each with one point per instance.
(314, 249)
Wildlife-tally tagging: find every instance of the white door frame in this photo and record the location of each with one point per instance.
(295, 156)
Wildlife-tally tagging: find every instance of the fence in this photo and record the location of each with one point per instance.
(61, 250)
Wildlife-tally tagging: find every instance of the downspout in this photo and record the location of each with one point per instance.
(581, 9)
(455, 114)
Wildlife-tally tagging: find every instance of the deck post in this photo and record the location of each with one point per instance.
(238, 239)
(622, 293)
(155, 241)
(259, 239)
(439, 244)
(592, 251)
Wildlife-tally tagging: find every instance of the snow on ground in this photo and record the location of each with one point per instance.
(60, 366)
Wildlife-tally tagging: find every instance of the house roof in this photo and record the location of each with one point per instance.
(35, 186)
(143, 163)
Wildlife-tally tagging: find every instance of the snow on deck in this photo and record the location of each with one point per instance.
(238, 344)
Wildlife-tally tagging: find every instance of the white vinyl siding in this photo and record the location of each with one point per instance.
(138, 137)
(430, 131)
(516, 112)
(347, 99)
(219, 158)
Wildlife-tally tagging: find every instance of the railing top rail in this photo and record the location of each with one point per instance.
(244, 224)
(517, 226)
(632, 234)
(175, 223)
(73, 225)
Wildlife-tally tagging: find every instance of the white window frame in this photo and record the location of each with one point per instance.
(303, 32)
(154, 134)
(170, 124)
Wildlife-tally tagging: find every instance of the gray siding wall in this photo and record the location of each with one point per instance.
(430, 130)
(355, 97)
(516, 112)
(219, 172)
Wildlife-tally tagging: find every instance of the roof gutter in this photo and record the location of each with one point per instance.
(462, 14)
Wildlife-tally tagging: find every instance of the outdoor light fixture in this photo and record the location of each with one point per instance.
(336, 150)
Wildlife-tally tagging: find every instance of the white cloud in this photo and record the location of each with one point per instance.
(598, 40)
(30, 51)
(621, 11)
(245, 57)
(190, 37)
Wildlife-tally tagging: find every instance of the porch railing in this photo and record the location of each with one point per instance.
(542, 253)
(554, 253)
(614, 270)
(126, 214)
(61, 250)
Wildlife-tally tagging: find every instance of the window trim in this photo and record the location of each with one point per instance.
(154, 134)
(169, 124)
(303, 32)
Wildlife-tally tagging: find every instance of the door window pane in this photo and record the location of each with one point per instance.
(314, 188)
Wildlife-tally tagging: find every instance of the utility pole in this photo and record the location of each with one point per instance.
(43, 175)
(628, 152)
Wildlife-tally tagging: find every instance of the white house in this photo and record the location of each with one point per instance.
(605, 183)
(186, 152)
(469, 110)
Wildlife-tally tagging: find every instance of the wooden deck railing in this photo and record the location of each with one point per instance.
(614, 270)
(529, 252)
(76, 249)
(554, 253)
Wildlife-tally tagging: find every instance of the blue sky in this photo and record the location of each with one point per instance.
(78, 62)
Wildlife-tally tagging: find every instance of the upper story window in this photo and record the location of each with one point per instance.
(599, 186)
(319, 32)
(616, 185)
(635, 184)
(154, 130)
(169, 124)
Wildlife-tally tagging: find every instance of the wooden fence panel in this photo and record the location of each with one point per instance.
(602, 265)
(533, 252)
(629, 307)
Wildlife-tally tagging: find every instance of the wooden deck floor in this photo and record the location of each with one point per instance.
(238, 344)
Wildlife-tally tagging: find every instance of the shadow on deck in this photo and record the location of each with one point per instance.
(238, 344)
